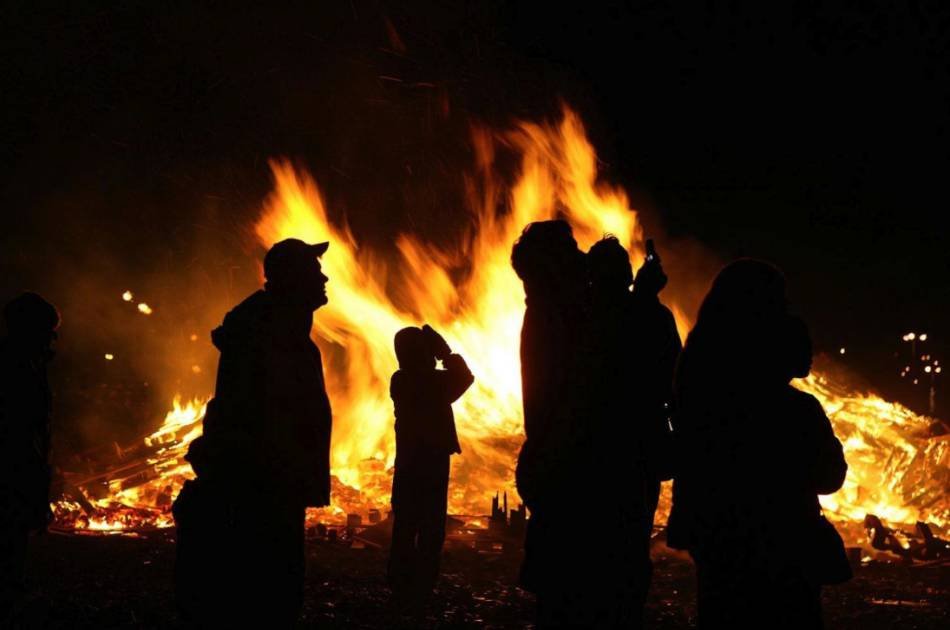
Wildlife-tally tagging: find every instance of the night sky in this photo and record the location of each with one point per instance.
(136, 139)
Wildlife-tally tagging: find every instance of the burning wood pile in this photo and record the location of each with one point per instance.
(899, 462)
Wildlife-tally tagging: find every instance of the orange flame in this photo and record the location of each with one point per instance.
(471, 294)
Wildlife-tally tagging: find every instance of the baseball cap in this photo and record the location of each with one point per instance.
(291, 254)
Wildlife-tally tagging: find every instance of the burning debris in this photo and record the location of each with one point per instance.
(898, 468)
(921, 544)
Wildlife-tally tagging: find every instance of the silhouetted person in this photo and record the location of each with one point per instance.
(753, 453)
(554, 462)
(635, 345)
(425, 440)
(31, 324)
(264, 455)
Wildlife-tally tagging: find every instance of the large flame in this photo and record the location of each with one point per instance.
(470, 293)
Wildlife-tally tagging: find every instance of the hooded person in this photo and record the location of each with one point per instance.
(753, 453)
(425, 441)
(263, 457)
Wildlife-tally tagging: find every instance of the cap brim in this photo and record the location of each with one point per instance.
(319, 249)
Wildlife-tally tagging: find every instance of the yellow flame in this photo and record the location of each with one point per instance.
(471, 294)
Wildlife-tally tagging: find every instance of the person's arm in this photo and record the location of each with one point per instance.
(458, 378)
(830, 466)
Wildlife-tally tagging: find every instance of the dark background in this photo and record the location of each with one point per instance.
(136, 139)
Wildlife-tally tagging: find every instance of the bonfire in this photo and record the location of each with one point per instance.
(899, 470)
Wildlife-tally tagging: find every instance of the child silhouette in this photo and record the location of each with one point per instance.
(425, 440)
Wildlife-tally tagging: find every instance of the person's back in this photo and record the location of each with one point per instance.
(263, 457)
(753, 454)
(425, 440)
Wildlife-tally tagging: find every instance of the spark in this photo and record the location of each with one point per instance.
(109, 356)
(127, 296)
(145, 309)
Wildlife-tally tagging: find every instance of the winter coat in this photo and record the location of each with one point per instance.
(422, 401)
(268, 426)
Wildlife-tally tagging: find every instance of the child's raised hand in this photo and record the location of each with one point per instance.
(440, 349)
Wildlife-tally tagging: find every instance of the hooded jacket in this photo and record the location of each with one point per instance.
(268, 426)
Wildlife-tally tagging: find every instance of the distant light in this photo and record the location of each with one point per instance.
(193, 337)
(841, 351)
(145, 308)
(127, 296)
(927, 369)
(910, 336)
(938, 370)
(109, 357)
(923, 337)
(196, 369)
(915, 381)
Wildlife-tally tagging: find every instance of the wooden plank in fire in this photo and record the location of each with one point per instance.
(127, 471)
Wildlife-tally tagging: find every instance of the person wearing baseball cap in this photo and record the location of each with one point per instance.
(264, 456)
(292, 268)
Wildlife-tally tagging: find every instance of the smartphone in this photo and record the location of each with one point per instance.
(651, 251)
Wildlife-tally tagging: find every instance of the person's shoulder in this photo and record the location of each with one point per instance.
(243, 322)
(398, 382)
(254, 306)
(803, 400)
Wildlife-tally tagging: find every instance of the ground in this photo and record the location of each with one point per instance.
(117, 582)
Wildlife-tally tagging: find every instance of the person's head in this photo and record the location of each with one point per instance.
(292, 269)
(609, 266)
(547, 260)
(735, 340)
(31, 321)
(413, 349)
(744, 290)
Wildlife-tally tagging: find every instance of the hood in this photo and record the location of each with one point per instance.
(244, 323)
(261, 317)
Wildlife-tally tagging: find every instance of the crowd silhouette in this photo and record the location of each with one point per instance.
(613, 405)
